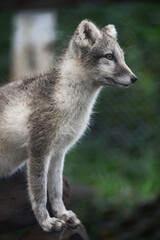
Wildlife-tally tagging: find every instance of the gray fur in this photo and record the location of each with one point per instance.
(43, 117)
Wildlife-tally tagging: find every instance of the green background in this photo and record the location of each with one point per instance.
(119, 155)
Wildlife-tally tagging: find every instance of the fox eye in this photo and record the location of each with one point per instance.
(109, 56)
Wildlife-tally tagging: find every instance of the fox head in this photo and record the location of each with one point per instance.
(99, 53)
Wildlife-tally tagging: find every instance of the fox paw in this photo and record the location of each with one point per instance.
(53, 224)
(70, 219)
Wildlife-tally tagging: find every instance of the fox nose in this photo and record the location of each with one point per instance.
(134, 79)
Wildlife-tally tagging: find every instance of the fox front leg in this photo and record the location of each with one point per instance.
(37, 183)
(55, 188)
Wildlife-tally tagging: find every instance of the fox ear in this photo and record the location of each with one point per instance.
(110, 30)
(87, 34)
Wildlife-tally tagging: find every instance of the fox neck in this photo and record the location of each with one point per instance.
(74, 86)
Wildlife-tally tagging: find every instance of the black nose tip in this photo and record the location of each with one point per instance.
(134, 79)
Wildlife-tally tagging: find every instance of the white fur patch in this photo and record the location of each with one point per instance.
(14, 124)
(112, 30)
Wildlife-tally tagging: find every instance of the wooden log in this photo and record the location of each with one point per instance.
(35, 233)
(15, 207)
(16, 212)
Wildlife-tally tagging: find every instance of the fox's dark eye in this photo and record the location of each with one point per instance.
(109, 56)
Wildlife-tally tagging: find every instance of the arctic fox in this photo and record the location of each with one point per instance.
(42, 118)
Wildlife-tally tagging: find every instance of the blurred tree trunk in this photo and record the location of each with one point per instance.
(33, 40)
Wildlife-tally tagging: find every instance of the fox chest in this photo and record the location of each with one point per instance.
(76, 110)
(72, 127)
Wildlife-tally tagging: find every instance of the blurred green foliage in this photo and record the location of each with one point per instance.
(120, 153)
(5, 39)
